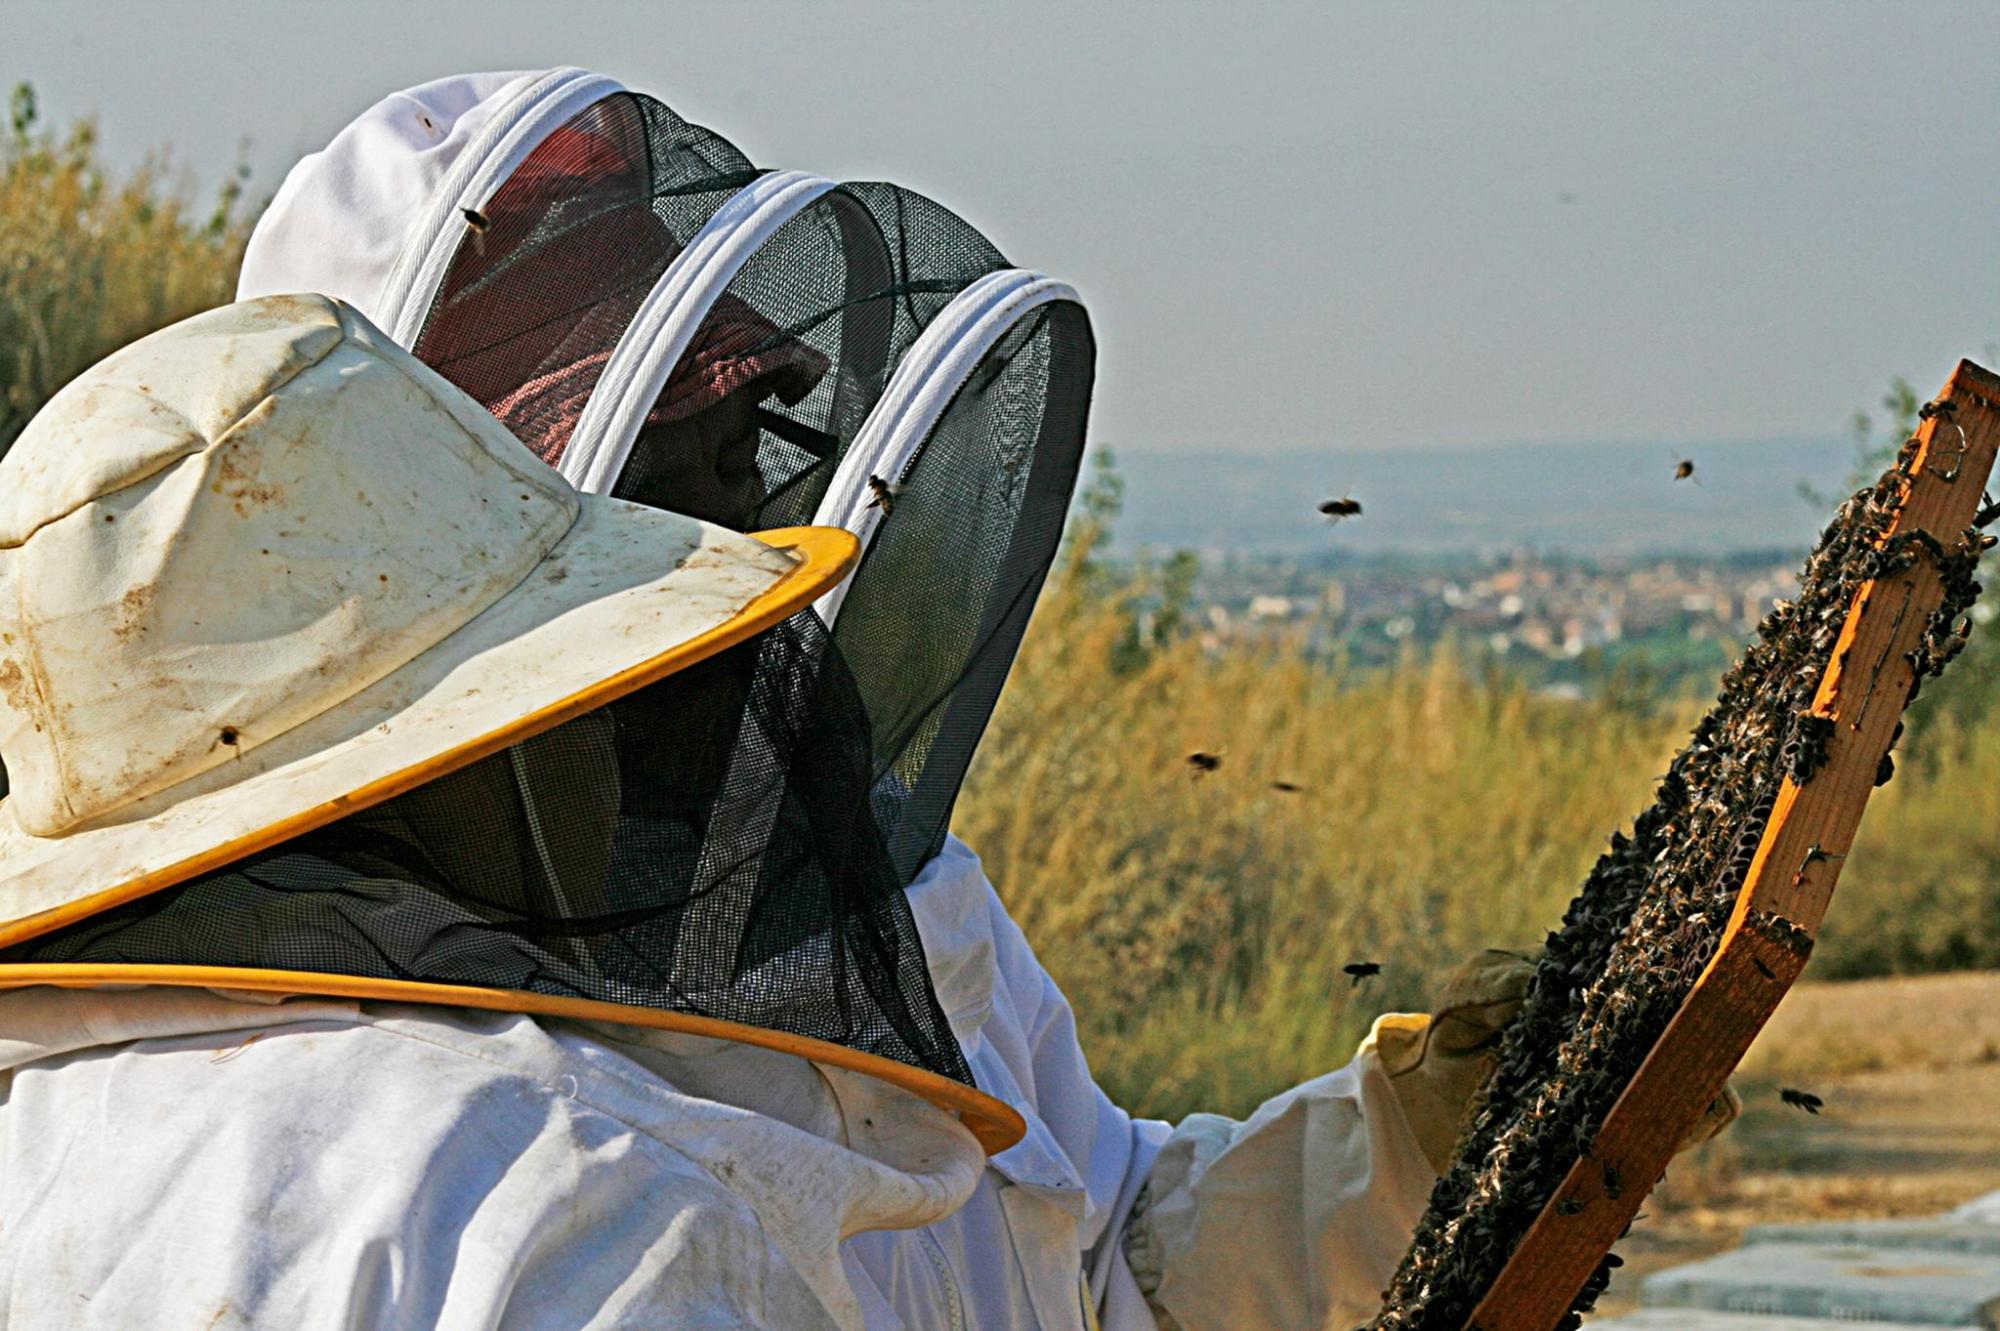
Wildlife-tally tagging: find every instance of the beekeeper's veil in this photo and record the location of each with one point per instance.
(666, 323)
(790, 350)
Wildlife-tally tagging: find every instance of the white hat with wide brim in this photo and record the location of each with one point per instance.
(263, 569)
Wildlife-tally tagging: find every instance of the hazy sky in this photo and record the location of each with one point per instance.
(1299, 226)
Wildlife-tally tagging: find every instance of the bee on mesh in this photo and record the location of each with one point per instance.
(885, 493)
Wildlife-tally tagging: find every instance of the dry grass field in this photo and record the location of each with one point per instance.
(89, 262)
(1199, 921)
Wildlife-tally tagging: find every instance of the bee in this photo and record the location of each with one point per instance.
(1287, 787)
(1684, 470)
(1336, 509)
(1805, 1100)
(1203, 763)
(885, 493)
(1361, 970)
(1569, 1206)
(477, 222)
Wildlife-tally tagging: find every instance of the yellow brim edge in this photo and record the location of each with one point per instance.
(824, 554)
(994, 1123)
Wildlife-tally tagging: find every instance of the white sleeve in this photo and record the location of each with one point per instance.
(1294, 1218)
(1270, 1223)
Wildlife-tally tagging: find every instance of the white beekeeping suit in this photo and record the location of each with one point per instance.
(335, 1164)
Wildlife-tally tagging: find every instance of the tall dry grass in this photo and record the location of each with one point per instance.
(1199, 923)
(88, 261)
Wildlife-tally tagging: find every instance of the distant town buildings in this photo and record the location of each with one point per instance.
(1666, 614)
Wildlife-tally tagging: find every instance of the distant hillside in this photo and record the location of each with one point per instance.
(1595, 499)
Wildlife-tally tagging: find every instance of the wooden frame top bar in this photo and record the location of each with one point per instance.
(1784, 896)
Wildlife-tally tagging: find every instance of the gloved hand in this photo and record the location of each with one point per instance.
(1437, 1063)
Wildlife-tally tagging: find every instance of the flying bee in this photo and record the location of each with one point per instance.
(1805, 1100)
(1287, 787)
(1203, 763)
(1361, 970)
(1684, 470)
(885, 493)
(1336, 509)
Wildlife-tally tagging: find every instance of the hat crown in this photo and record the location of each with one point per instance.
(143, 410)
(229, 527)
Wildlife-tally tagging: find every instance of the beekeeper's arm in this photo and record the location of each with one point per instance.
(1301, 1213)
(1297, 1213)
(1272, 1222)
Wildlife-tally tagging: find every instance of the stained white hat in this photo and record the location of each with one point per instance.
(264, 568)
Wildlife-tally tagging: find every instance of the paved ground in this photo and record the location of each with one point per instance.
(1910, 1073)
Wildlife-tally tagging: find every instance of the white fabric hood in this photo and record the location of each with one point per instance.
(371, 217)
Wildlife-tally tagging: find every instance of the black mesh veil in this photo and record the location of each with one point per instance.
(734, 840)
(969, 523)
(842, 290)
(935, 614)
(552, 269)
(600, 860)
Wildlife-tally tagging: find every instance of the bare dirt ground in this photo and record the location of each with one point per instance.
(1910, 1073)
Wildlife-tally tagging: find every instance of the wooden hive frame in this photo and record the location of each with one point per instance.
(1785, 895)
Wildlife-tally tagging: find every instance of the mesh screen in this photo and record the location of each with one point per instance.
(935, 614)
(703, 845)
(729, 438)
(772, 390)
(847, 285)
(941, 599)
(546, 279)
